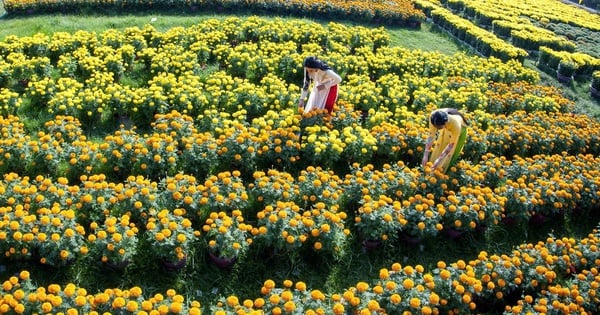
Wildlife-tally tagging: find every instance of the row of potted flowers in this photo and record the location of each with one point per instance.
(315, 209)
(395, 12)
(220, 142)
(535, 277)
(555, 275)
(20, 295)
(92, 67)
(519, 31)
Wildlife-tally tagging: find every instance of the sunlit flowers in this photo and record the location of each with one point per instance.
(114, 241)
(170, 234)
(227, 235)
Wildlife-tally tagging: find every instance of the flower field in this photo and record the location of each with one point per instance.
(552, 32)
(140, 152)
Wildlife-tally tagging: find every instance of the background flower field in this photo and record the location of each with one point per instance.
(133, 156)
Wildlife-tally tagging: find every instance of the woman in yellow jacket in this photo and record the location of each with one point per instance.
(450, 126)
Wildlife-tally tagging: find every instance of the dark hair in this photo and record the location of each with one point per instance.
(315, 63)
(454, 111)
(439, 118)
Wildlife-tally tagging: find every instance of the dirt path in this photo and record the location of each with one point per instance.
(580, 6)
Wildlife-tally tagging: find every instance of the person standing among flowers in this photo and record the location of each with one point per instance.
(325, 86)
(450, 126)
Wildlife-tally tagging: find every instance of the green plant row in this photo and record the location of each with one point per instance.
(525, 27)
(558, 275)
(94, 77)
(395, 12)
(577, 64)
(282, 208)
(533, 278)
(174, 145)
(483, 41)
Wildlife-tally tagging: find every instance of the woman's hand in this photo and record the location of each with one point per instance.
(321, 87)
(425, 160)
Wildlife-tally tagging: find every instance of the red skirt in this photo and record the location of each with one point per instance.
(331, 98)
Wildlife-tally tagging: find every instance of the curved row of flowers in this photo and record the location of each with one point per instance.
(20, 295)
(532, 277)
(393, 12)
(221, 142)
(258, 70)
(517, 29)
(56, 222)
(558, 275)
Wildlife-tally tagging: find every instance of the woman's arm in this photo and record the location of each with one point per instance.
(305, 85)
(330, 79)
(428, 144)
(444, 154)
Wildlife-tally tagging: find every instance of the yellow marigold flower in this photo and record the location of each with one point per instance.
(259, 302)
(338, 309)
(300, 286)
(119, 302)
(269, 284)
(176, 307)
(46, 307)
(395, 298)
(415, 302)
(373, 305)
(80, 301)
(289, 306)
(362, 286)
(408, 284)
(317, 295)
(24, 275)
(232, 300)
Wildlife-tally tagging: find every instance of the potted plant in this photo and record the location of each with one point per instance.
(60, 239)
(469, 210)
(595, 85)
(566, 70)
(228, 237)
(114, 242)
(280, 228)
(419, 219)
(170, 236)
(378, 221)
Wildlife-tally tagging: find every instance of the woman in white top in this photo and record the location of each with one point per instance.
(325, 86)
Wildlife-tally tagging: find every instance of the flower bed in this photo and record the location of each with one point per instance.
(197, 154)
(396, 12)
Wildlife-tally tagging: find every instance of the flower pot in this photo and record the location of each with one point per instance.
(537, 219)
(594, 92)
(409, 239)
(453, 233)
(176, 265)
(371, 244)
(120, 265)
(221, 262)
(509, 221)
(562, 78)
